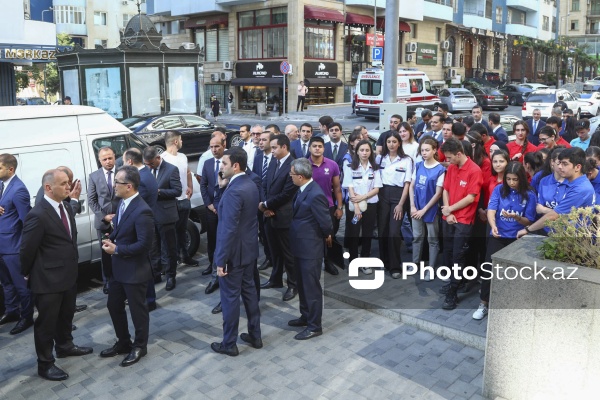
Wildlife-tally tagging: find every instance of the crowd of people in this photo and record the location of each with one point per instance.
(450, 186)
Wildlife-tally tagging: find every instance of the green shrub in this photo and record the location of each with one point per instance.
(573, 238)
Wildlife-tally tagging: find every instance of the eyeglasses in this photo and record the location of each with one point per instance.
(121, 183)
(257, 133)
(294, 174)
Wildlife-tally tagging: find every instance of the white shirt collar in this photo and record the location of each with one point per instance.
(127, 201)
(235, 176)
(496, 128)
(305, 185)
(6, 182)
(284, 158)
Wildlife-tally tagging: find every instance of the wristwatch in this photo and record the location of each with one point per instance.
(340, 207)
(527, 229)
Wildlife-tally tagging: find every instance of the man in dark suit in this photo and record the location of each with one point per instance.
(210, 191)
(496, 129)
(49, 259)
(477, 113)
(311, 225)
(299, 148)
(260, 168)
(14, 205)
(236, 253)
(103, 203)
(278, 192)
(165, 214)
(129, 245)
(335, 149)
(148, 191)
(535, 124)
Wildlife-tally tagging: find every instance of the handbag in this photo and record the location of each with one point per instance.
(362, 205)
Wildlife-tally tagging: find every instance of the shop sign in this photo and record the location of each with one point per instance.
(258, 69)
(29, 54)
(371, 40)
(427, 54)
(320, 70)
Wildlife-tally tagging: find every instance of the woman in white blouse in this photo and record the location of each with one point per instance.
(396, 171)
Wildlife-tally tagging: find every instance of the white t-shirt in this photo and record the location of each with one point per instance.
(411, 149)
(181, 162)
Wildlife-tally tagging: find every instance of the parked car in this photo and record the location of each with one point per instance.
(592, 85)
(195, 131)
(589, 103)
(534, 86)
(31, 101)
(507, 121)
(516, 94)
(488, 97)
(457, 99)
(544, 101)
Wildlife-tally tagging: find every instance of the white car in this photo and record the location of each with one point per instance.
(544, 101)
(589, 103)
(534, 86)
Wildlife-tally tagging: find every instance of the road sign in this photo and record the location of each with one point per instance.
(284, 67)
(377, 53)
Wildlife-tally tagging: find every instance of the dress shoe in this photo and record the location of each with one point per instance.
(80, 307)
(306, 334)
(190, 262)
(212, 286)
(207, 271)
(75, 351)
(171, 283)
(265, 265)
(105, 288)
(21, 326)
(297, 322)
(331, 269)
(73, 327)
(53, 373)
(151, 306)
(290, 294)
(252, 341)
(157, 279)
(118, 348)
(134, 356)
(218, 348)
(9, 317)
(271, 285)
(217, 309)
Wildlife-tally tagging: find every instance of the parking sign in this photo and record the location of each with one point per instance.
(377, 53)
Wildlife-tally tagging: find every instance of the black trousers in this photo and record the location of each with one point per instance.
(388, 228)
(212, 221)
(336, 226)
(279, 241)
(366, 224)
(310, 292)
(135, 294)
(53, 326)
(263, 236)
(300, 105)
(165, 252)
(183, 209)
(456, 246)
(493, 245)
(105, 259)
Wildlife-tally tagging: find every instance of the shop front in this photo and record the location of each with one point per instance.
(322, 81)
(258, 82)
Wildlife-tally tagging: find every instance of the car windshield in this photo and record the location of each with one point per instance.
(541, 98)
(133, 122)
(37, 101)
(462, 93)
(494, 92)
(584, 95)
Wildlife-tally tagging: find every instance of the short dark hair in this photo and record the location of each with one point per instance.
(150, 153)
(275, 128)
(170, 136)
(325, 120)
(443, 106)
(479, 128)
(477, 106)
(135, 155)
(554, 120)
(247, 126)
(334, 124)
(453, 146)
(458, 129)
(307, 125)
(426, 112)
(106, 148)
(575, 155)
(410, 114)
(469, 121)
(222, 130)
(132, 175)
(547, 130)
(438, 114)
(8, 160)
(316, 139)
(282, 140)
(494, 118)
(237, 155)
(567, 111)
(397, 116)
(68, 98)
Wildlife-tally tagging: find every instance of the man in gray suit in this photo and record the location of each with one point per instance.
(165, 214)
(102, 201)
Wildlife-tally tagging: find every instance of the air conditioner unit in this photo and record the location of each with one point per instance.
(228, 65)
(445, 45)
(409, 58)
(411, 47)
(188, 45)
(215, 77)
(226, 76)
(451, 73)
(447, 59)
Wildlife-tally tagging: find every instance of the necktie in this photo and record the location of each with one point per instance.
(534, 126)
(264, 168)
(278, 166)
(63, 216)
(109, 183)
(335, 151)
(304, 150)
(121, 211)
(155, 172)
(1, 188)
(217, 172)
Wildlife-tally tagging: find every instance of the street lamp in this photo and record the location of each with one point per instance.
(49, 9)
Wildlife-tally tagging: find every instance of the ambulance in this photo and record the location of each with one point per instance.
(413, 88)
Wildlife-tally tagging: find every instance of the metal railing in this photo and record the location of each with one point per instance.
(441, 2)
(478, 13)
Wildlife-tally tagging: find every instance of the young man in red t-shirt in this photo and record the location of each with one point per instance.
(462, 188)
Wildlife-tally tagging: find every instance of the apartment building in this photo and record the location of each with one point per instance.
(580, 21)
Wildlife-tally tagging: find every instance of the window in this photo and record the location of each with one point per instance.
(574, 25)
(262, 34)
(69, 15)
(319, 40)
(553, 24)
(488, 9)
(214, 41)
(545, 23)
(498, 15)
(101, 42)
(370, 87)
(126, 18)
(413, 31)
(177, 27)
(452, 50)
(497, 55)
(438, 34)
(99, 18)
(416, 85)
(575, 5)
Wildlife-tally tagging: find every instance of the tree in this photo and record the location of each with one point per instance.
(525, 45)
(52, 78)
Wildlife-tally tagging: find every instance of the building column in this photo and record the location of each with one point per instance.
(295, 51)
(8, 85)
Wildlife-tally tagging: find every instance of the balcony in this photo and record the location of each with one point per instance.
(189, 7)
(592, 32)
(594, 11)
(72, 29)
(524, 5)
(476, 19)
(439, 10)
(521, 30)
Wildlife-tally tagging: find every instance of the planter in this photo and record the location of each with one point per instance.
(543, 339)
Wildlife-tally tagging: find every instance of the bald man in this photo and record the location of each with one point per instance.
(291, 131)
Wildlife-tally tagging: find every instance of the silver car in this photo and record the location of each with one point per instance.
(457, 99)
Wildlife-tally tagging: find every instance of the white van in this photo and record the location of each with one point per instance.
(44, 137)
(414, 89)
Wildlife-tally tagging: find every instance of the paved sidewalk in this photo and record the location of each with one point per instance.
(361, 355)
(338, 112)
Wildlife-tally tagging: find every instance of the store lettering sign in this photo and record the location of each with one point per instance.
(266, 69)
(259, 70)
(427, 54)
(320, 70)
(29, 54)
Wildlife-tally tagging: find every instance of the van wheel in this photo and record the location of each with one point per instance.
(192, 238)
(160, 149)
(235, 140)
(512, 101)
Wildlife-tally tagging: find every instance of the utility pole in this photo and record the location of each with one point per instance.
(390, 51)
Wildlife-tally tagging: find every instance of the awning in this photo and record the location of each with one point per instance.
(404, 27)
(323, 14)
(257, 82)
(204, 22)
(358, 19)
(323, 82)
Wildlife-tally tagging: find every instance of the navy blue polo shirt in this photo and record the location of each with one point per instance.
(525, 207)
(578, 193)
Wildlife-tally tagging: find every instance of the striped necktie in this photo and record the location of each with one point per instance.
(264, 168)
